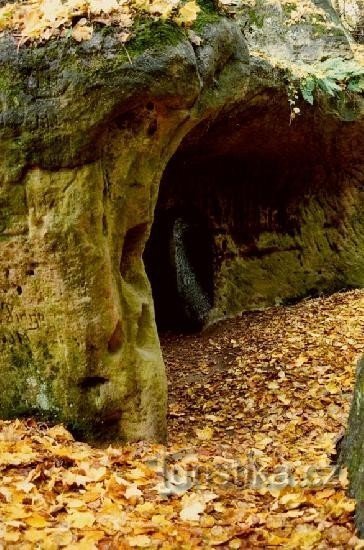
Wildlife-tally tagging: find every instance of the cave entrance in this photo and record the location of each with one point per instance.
(253, 212)
(179, 263)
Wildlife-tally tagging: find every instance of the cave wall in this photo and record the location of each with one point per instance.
(78, 339)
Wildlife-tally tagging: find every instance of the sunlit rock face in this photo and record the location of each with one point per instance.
(249, 210)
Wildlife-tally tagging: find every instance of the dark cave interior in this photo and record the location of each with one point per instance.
(234, 180)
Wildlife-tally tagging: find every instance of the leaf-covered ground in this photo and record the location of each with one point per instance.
(256, 406)
(42, 20)
(34, 21)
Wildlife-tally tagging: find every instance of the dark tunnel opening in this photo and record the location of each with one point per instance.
(179, 263)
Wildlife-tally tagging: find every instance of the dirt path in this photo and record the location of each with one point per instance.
(287, 370)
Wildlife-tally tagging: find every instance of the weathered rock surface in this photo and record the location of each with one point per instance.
(352, 15)
(87, 134)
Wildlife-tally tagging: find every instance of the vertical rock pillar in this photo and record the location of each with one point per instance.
(77, 336)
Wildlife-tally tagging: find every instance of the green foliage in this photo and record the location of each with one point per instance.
(149, 34)
(207, 16)
(206, 5)
(307, 89)
(332, 76)
(256, 18)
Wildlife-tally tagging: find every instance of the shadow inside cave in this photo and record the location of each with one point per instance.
(255, 211)
(179, 261)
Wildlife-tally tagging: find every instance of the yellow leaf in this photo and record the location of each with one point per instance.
(103, 6)
(135, 474)
(82, 32)
(16, 511)
(145, 508)
(33, 26)
(235, 544)
(304, 537)
(94, 474)
(192, 510)
(91, 539)
(162, 7)
(187, 14)
(24, 486)
(5, 493)
(343, 506)
(292, 500)
(70, 453)
(11, 536)
(283, 398)
(33, 535)
(140, 541)
(133, 492)
(74, 503)
(332, 388)
(36, 520)
(194, 504)
(53, 10)
(262, 442)
(70, 478)
(343, 478)
(205, 434)
(214, 418)
(80, 520)
(301, 360)
(6, 16)
(60, 433)
(160, 520)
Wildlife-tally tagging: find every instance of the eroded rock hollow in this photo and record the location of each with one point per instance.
(251, 209)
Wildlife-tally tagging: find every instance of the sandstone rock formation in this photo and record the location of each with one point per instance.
(90, 132)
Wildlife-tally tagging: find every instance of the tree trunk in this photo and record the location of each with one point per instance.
(352, 454)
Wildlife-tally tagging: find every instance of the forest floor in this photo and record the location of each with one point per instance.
(257, 405)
